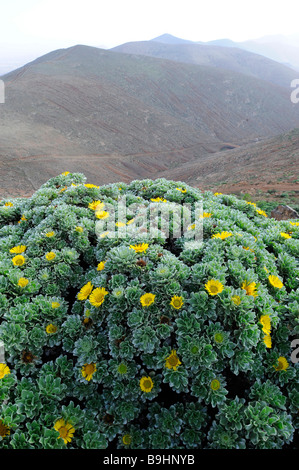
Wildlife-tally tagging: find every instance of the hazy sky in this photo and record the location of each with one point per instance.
(34, 27)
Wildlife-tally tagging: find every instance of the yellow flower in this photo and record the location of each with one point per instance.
(120, 224)
(285, 235)
(18, 249)
(282, 364)
(104, 234)
(22, 282)
(176, 302)
(275, 282)
(23, 218)
(158, 199)
(130, 221)
(50, 234)
(101, 266)
(79, 229)
(259, 211)
(65, 173)
(182, 190)
(268, 341)
(85, 291)
(172, 361)
(50, 256)
(215, 384)
(217, 194)
(4, 370)
(296, 224)
(65, 429)
(8, 204)
(51, 329)
(102, 214)
(250, 288)
(89, 185)
(97, 296)
(88, 370)
(140, 248)
(214, 287)
(251, 203)
(266, 322)
(191, 227)
(127, 439)
(236, 299)
(55, 304)
(222, 235)
(146, 384)
(205, 215)
(4, 429)
(147, 299)
(18, 260)
(96, 205)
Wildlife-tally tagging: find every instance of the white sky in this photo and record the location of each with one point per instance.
(34, 27)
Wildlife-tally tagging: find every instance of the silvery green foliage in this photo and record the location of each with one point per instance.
(224, 393)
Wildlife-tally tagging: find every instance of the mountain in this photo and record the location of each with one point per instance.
(169, 39)
(266, 166)
(220, 56)
(280, 48)
(118, 116)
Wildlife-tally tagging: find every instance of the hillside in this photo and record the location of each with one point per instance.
(268, 169)
(220, 56)
(117, 116)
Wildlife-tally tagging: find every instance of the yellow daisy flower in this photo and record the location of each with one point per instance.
(18, 249)
(140, 248)
(97, 296)
(89, 185)
(275, 282)
(260, 212)
(282, 364)
(147, 299)
(96, 205)
(215, 385)
(222, 235)
(50, 256)
(88, 370)
(250, 288)
(4, 370)
(22, 282)
(65, 173)
(146, 384)
(205, 215)
(266, 322)
(214, 287)
(268, 341)
(158, 199)
(65, 429)
(176, 302)
(296, 224)
(127, 439)
(50, 234)
(85, 291)
(101, 266)
(18, 260)
(55, 304)
(51, 329)
(236, 299)
(79, 229)
(102, 214)
(4, 429)
(285, 235)
(172, 361)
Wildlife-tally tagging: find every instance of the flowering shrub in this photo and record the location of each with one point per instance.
(142, 341)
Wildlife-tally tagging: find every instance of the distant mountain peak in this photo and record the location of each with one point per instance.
(170, 39)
